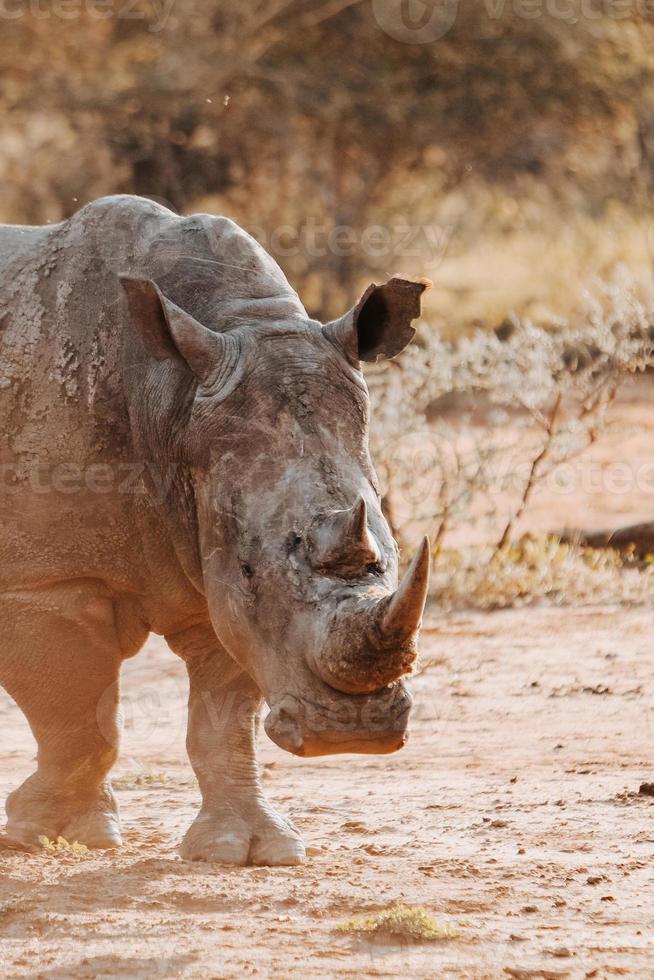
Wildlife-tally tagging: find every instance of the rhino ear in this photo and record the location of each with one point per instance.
(379, 326)
(167, 331)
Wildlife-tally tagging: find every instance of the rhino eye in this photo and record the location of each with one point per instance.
(293, 542)
(246, 570)
(375, 568)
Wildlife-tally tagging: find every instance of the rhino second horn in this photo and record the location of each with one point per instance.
(342, 543)
(403, 614)
(358, 535)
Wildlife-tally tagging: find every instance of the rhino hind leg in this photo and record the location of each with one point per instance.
(35, 811)
(60, 661)
(236, 824)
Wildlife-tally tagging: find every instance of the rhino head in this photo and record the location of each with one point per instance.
(269, 421)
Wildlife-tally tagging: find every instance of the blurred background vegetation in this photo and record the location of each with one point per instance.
(503, 149)
(510, 160)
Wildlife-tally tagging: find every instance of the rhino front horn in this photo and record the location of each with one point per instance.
(403, 614)
(369, 648)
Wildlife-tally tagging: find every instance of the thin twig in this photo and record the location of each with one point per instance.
(533, 475)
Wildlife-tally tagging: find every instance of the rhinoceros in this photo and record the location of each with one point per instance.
(185, 452)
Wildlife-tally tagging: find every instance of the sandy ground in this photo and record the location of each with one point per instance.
(513, 814)
(612, 483)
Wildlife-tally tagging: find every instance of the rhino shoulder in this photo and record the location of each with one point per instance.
(122, 215)
(120, 205)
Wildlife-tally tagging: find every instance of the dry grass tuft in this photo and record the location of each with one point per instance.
(152, 780)
(536, 567)
(400, 921)
(62, 847)
(141, 779)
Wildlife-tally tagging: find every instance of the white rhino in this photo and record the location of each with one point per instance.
(184, 452)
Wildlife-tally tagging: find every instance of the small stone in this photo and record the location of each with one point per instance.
(562, 952)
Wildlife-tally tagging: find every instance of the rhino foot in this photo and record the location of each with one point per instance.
(95, 829)
(256, 835)
(33, 814)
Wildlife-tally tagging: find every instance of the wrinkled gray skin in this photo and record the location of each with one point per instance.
(190, 458)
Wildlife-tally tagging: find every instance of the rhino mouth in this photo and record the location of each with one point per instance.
(374, 724)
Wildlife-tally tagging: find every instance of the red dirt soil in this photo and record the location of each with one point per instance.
(513, 814)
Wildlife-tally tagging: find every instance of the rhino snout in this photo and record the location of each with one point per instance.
(372, 724)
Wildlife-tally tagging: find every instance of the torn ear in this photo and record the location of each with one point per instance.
(380, 325)
(168, 331)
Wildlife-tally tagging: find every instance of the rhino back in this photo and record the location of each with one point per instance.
(63, 313)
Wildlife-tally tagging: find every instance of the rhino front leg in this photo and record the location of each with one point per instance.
(236, 824)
